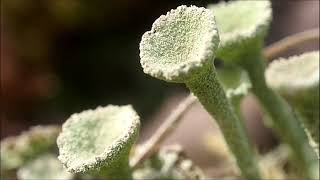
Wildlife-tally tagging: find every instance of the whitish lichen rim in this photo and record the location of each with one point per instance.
(284, 82)
(230, 38)
(178, 73)
(241, 90)
(113, 150)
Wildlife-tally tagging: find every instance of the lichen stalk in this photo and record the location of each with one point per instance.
(180, 48)
(211, 95)
(285, 123)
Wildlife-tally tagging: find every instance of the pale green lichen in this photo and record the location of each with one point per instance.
(297, 80)
(169, 163)
(181, 47)
(44, 167)
(297, 74)
(179, 43)
(244, 48)
(236, 84)
(239, 19)
(240, 22)
(235, 81)
(99, 141)
(18, 150)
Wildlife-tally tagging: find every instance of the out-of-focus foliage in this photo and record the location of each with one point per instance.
(170, 163)
(16, 151)
(45, 166)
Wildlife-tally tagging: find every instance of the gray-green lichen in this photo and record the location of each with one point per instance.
(44, 167)
(18, 150)
(297, 74)
(239, 23)
(179, 43)
(297, 80)
(235, 81)
(99, 140)
(181, 48)
(170, 163)
(244, 48)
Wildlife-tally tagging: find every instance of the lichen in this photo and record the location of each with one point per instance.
(295, 74)
(239, 23)
(185, 28)
(18, 150)
(98, 140)
(235, 81)
(44, 167)
(179, 43)
(297, 80)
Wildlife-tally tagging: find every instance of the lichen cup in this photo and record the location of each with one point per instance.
(180, 47)
(297, 80)
(243, 26)
(44, 167)
(18, 150)
(98, 142)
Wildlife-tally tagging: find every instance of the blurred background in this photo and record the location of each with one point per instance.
(63, 56)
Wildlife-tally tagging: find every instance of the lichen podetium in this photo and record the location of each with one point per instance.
(180, 47)
(98, 141)
(242, 39)
(297, 80)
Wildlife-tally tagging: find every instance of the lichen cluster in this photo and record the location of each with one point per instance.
(181, 47)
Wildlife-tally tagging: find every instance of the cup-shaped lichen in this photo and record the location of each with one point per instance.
(241, 24)
(180, 47)
(98, 141)
(242, 27)
(297, 80)
(46, 167)
(17, 151)
(179, 44)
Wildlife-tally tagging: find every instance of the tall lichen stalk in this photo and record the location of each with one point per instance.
(213, 98)
(180, 47)
(241, 45)
(285, 123)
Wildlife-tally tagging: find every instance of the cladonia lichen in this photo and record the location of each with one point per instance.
(18, 150)
(241, 45)
(181, 47)
(180, 42)
(98, 141)
(297, 80)
(44, 167)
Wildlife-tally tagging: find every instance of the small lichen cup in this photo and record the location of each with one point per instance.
(98, 142)
(180, 47)
(19, 150)
(44, 167)
(243, 26)
(297, 80)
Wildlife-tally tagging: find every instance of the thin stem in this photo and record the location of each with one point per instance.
(284, 122)
(213, 98)
(291, 41)
(168, 126)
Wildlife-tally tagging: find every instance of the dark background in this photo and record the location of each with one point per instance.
(63, 56)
